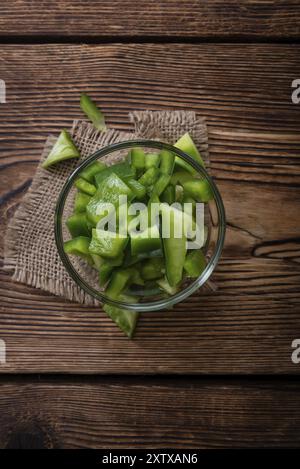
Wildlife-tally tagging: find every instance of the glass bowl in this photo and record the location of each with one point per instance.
(87, 278)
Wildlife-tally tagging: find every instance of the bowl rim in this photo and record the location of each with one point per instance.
(153, 305)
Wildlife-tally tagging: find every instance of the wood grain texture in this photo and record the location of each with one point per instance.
(149, 414)
(244, 90)
(239, 88)
(106, 18)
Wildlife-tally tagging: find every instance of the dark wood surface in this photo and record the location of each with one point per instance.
(247, 327)
(149, 414)
(155, 18)
(255, 161)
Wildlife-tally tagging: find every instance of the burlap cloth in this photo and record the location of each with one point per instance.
(30, 251)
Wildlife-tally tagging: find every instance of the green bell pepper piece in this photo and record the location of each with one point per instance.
(145, 241)
(167, 162)
(174, 247)
(92, 112)
(80, 202)
(137, 188)
(109, 191)
(77, 225)
(186, 144)
(63, 149)
(126, 320)
(199, 189)
(161, 183)
(179, 194)
(118, 282)
(89, 173)
(195, 263)
(122, 170)
(164, 285)
(137, 159)
(149, 177)
(79, 247)
(153, 268)
(85, 186)
(107, 244)
(152, 160)
(107, 266)
(168, 195)
(179, 177)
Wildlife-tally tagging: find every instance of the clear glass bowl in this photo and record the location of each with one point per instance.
(86, 277)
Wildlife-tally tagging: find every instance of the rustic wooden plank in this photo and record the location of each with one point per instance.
(255, 146)
(238, 88)
(123, 413)
(104, 18)
(246, 327)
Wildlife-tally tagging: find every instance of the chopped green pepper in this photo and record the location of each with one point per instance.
(137, 188)
(77, 225)
(149, 177)
(109, 191)
(80, 202)
(85, 186)
(106, 243)
(164, 284)
(89, 173)
(137, 158)
(186, 144)
(161, 183)
(122, 170)
(179, 177)
(174, 245)
(195, 263)
(199, 189)
(167, 162)
(153, 268)
(79, 247)
(92, 112)
(152, 160)
(106, 267)
(119, 280)
(168, 195)
(63, 149)
(126, 320)
(147, 240)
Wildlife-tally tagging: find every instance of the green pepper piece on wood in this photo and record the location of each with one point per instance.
(63, 149)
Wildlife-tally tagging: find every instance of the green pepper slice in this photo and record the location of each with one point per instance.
(199, 189)
(77, 225)
(85, 186)
(90, 172)
(152, 160)
(122, 170)
(80, 202)
(107, 244)
(126, 320)
(195, 263)
(186, 144)
(92, 112)
(63, 149)
(79, 247)
(167, 162)
(174, 245)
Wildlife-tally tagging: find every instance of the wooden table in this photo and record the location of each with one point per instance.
(216, 371)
